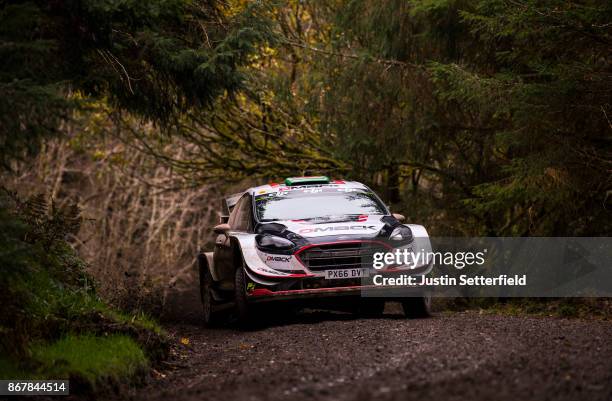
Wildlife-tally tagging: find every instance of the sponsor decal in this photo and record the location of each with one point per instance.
(312, 189)
(337, 228)
(284, 259)
(309, 188)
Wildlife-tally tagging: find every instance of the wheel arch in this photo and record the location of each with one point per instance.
(206, 261)
(237, 256)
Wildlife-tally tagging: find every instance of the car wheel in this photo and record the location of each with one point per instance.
(206, 282)
(243, 309)
(417, 307)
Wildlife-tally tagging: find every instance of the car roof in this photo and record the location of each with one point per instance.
(274, 187)
(231, 200)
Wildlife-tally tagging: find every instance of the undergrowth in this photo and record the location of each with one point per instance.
(52, 323)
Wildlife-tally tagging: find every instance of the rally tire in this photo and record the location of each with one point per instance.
(417, 307)
(210, 317)
(244, 313)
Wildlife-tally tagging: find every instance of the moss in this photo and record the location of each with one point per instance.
(90, 361)
(139, 319)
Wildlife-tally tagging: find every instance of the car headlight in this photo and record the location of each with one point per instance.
(401, 233)
(272, 242)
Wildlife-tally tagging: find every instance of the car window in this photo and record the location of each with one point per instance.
(317, 202)
(241, 217)
(234, 214)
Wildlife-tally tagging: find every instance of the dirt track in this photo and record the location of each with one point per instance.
(327, 356)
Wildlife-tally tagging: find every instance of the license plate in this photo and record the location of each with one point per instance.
(347, 273)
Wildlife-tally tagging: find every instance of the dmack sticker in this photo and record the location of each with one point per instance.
(285, 259)
(336, 228)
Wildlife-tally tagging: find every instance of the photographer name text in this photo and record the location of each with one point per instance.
(462, 280)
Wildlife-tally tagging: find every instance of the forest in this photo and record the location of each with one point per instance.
(123, 123)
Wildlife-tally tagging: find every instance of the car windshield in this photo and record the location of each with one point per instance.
(306, 203)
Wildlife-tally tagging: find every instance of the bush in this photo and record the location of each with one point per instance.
(51, 320)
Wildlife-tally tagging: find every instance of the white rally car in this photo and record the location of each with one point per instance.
(309, 238)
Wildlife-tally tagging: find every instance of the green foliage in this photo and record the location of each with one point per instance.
(52, 322)
(37, 230)
(550, 65)
(153, 58)
(88, 361)
(33, 267)
(95, 359)
(492, 116)
(36, 266)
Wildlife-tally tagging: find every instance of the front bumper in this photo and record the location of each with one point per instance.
(272, 277)
(373, 291)
(317, 287)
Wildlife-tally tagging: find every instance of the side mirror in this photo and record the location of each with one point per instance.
(221, 228)
(399, 217)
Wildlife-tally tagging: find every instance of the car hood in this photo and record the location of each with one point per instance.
(350, 227)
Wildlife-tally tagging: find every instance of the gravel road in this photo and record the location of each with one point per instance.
(331, 356)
